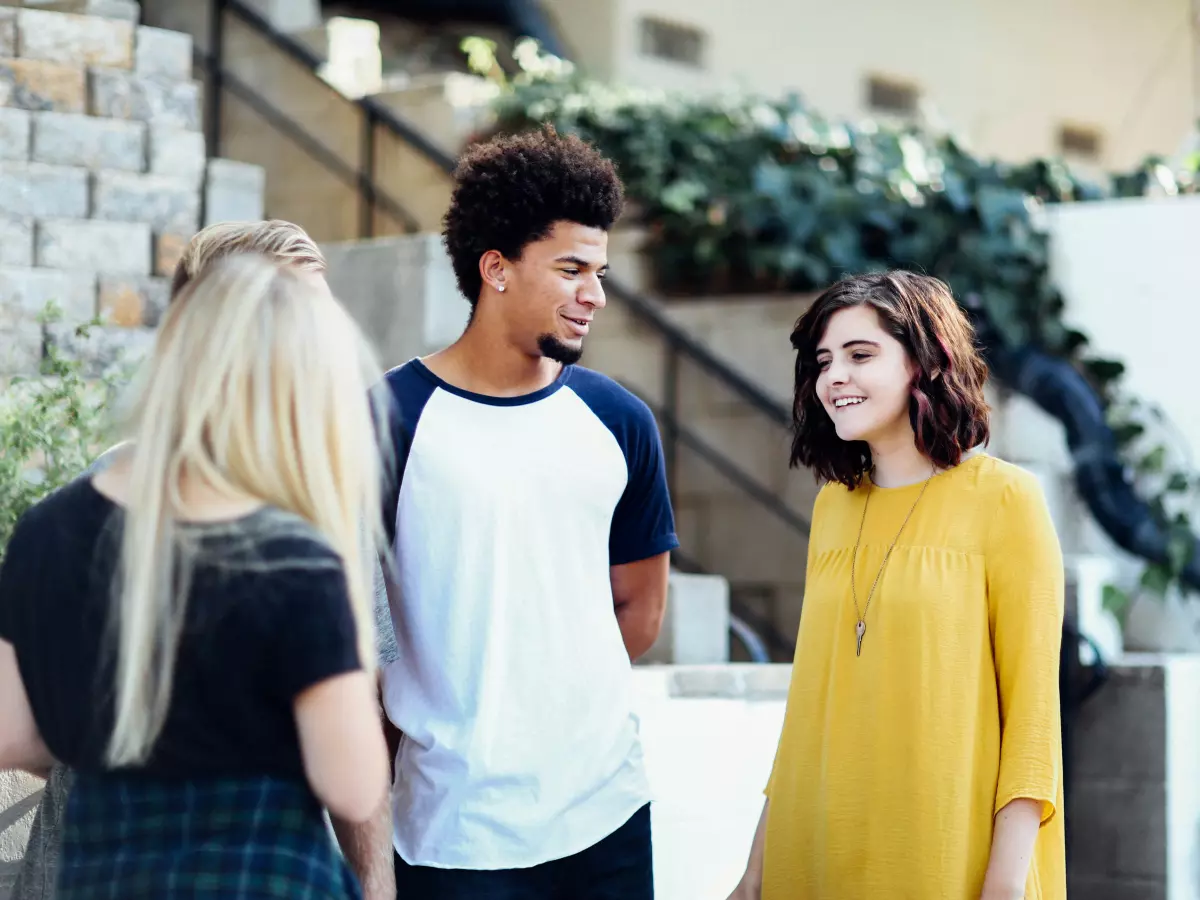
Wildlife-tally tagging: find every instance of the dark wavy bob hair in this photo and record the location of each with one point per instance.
(948, 413)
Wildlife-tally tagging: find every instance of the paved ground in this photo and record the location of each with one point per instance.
(708, 760)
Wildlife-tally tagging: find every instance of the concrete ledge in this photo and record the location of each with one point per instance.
(732, 681)
(695, 629)
(401, 291)
(233, 191)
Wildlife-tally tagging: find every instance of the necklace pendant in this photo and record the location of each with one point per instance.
(860, 629)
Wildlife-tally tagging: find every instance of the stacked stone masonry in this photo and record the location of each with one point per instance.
(103, 174)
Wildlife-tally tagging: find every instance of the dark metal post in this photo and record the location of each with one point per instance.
(671, 408)
(216, 66)
(366, 176)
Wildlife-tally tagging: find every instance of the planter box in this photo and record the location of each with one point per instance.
(1133, 816)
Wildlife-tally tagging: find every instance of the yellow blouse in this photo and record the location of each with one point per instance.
(892, 764)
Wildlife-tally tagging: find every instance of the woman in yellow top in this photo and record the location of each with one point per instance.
(920, 757)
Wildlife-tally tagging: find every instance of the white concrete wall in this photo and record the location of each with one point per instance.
(1128, 271)
(402, 293)
(1007, 74)
(1183, 778)
(695, 628)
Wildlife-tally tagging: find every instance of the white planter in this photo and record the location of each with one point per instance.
(1168, 624)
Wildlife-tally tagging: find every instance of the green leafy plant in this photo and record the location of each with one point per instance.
(51, 426)
(741, 194)
(1168, 484)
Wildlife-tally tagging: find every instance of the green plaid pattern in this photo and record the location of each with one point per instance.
(128, 837)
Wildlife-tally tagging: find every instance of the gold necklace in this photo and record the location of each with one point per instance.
(860, 623)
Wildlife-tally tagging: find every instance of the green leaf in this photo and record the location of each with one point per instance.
(1178, 483)
(1105, 370)
(1005, 310)
(1128, 432)
(683, 196)
(771, 180)
(1156, 579)
(1115, 601)
(50, 428)
(997, 206)
(1154, 461)
(1180, 547)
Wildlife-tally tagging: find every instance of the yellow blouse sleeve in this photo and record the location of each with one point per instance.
(1025, 584)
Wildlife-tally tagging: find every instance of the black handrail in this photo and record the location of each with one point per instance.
(371, 107)
(750, 639)
(762, 628)
(651, 313)
(301, 136)
(212, 98)
(726, 467)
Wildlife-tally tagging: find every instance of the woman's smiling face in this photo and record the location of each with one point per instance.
(865, 380)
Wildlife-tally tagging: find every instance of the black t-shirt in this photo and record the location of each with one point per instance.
(267, 616)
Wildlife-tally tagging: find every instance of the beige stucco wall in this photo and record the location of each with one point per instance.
(1007, 74)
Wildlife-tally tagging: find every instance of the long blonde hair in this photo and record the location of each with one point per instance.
(258, 385)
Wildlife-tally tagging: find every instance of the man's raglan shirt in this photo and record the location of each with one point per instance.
(512, 685)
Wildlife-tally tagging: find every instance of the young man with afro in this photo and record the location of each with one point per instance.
(532, 537)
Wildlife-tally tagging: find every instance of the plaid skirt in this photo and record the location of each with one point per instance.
(127, 837)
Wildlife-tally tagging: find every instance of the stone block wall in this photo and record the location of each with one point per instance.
(103, 173)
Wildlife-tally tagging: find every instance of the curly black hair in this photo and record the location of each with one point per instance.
(511, 190)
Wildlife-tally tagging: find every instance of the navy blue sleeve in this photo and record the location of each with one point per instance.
(408, 390)
(643, 523)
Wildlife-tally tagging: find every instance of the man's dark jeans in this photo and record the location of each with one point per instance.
(620, 867)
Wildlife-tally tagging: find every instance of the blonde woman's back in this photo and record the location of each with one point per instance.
(193, 628)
